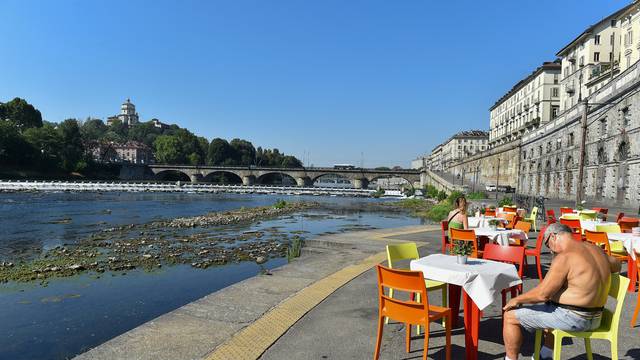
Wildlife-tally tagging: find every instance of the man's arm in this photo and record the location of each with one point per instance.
(614, 264)
(552, 283)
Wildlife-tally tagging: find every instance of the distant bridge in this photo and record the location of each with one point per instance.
(250, 175)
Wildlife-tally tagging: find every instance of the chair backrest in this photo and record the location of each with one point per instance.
(539, 240)
(617, 290)
(489, 212)
(601, 210)
(626, 224)
(570, 216)
(588, 215)
(508, 254)
(402, 280)
(612, 228)
(511, 209)
(598, 238)
(510, 217)
(444, 225)
(551, 216)
(620, 216)
(465, 235)
(534, 212)
(398, 252)
(523, 225)
(566, 210)
(574, 224)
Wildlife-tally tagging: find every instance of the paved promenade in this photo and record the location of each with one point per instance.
(321, 306)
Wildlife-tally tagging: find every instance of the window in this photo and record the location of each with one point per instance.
(613, 23)
(628, 58)
(626, 117)
(596, 56)
(581, 60)
(597, 40)
(554, 92)
(566, 71)
(570, 139)
(603, 126)
(554, 112)
(555, 78)
(612, 39)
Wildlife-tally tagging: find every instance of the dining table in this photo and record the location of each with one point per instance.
(592, 224)
(631, 243)
(483, 221)
(502, 236)
(479, 281)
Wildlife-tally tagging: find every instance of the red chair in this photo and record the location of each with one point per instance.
(446, 245)
(603, 211)
(620, 216)
(466, 235)
(510, 209)
(536, 252)
(575, 226)
(628, 223)
(507, 254)
(566, 210)
(637, 309)
(551, 217)
(489, 212)
(409, 312)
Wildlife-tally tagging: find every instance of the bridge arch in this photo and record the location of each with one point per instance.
(331, 180)
(223, 177)
(407, 180)
(276, 178)
(172, 175)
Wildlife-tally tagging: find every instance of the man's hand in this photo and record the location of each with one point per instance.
(512, 304)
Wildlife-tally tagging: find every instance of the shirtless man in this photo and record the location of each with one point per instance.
(572, 294)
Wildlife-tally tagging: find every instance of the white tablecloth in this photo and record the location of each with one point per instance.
(483, 222)
(502, 237)
(591, 224)
(630, 241)
(483, 280)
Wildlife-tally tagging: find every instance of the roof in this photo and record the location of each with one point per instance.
(590, 29)
(547, 65)
(464, 135)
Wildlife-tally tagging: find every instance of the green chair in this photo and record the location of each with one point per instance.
(608, 329)
(532, 218)
(409, 251)
(616, 246)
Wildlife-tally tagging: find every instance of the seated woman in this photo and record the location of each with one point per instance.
(458, 217)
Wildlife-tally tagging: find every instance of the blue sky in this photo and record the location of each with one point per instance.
(331, 81)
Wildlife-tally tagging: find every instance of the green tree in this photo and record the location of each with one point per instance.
(219, 152)
(72, 154)
(145, 133)
(21, 113)
(14, 150)
(120, 129)
(47, 142)
(93, 130)
(167, 149)
(244, 152)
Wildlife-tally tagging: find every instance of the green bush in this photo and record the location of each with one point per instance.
(505, 201)
(453, 196)
(431, 192)
(378, 193)
(441, 195)
(478, 195)
(439, 212)
(280, 204)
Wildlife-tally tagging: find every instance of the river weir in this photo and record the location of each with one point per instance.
(117, 186)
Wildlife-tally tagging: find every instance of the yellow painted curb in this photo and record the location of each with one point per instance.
(252, 341)
(406, 232)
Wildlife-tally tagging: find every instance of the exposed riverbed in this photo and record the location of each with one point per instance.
(67, 306)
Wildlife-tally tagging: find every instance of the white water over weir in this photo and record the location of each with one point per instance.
(104, 186)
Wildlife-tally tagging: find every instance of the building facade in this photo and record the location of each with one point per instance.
(128, 115)
(463, 144)
(132, 152)
(532, 102)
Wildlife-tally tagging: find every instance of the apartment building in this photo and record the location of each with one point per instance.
(533, 101)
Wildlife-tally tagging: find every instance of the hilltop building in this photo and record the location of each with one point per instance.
(128, 115)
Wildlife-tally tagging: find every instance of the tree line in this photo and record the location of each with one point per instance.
(26, 141)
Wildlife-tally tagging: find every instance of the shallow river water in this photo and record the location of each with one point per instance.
(71, 315)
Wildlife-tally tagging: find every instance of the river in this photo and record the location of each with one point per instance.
(66, 316)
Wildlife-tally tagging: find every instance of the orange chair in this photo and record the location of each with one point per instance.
(507, 254)
(466, 235)
(510, 209)
(524, 226)
(627, 223)
(489, 212)
(603, 211)
(601, 239)
(635, 312)
(408, 312)
(536, 252)
(446, 245)
(511, 219)
(551, 217)
(566, 210)
(575, 226)
(620, 216)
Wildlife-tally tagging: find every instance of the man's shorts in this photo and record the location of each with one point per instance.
(549, 316)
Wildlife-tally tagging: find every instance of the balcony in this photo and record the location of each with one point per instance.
(570, 89)
(601, 71)
(571, 59)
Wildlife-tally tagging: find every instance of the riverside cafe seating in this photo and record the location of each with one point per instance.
(488, 279)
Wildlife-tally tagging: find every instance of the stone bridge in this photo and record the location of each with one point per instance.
(360, 178)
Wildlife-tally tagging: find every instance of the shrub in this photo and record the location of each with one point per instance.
(439, 212)
(505, 201)
(441, 195)
(431, 192)
(453, 196)
(280, 204)
(476, 195)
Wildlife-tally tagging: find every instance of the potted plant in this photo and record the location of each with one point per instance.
(580, 206)
(493, 224)
(482, 211)
(462, 249)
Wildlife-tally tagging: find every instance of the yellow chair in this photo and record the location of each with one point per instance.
(532, 218)
(409, 251)
(608, 329)
(616, 246)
